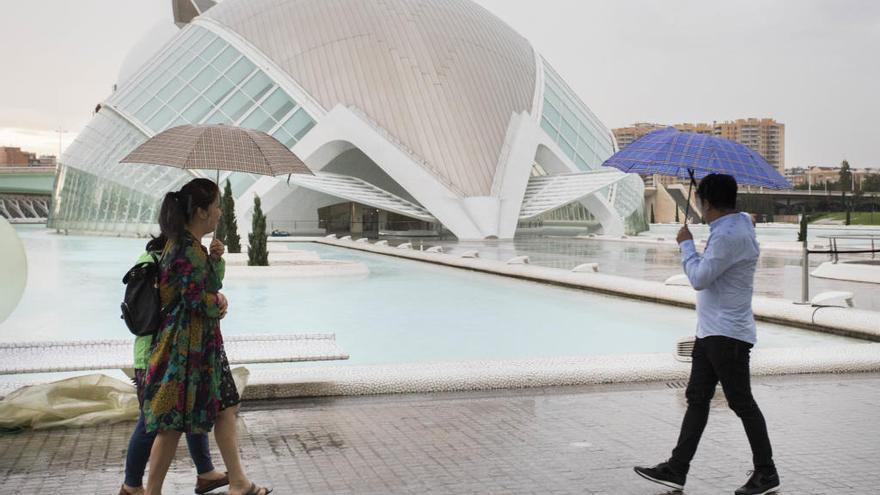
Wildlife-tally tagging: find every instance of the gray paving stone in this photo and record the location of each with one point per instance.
(824, 430)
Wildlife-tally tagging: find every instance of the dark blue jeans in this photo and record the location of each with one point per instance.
(141, 442)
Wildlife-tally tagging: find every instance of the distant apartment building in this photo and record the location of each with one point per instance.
(765, 136)
(14, 157)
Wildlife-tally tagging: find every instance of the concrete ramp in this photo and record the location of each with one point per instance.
(679, 192)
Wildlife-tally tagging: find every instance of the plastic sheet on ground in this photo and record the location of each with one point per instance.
(79, 401)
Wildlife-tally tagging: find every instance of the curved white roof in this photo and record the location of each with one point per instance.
(442, 76)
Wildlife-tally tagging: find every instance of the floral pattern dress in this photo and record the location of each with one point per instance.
(188, 378)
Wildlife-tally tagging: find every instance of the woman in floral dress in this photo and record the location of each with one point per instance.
(189, 386)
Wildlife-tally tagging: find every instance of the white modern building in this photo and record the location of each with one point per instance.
(429, 110)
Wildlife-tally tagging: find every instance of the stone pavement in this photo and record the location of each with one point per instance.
(824, 428)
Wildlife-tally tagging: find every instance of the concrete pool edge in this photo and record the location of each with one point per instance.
(846, 322)
(283, 383)
(473, 375)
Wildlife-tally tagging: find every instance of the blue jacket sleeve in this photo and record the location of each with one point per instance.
(702, 271)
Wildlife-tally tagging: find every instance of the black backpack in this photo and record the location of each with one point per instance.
(142, 308)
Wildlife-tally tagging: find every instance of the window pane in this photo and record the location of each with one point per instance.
(160, 81)
(236, 105)
(212, 49)
(206, 77)
(549, 128)
(568, 131)
(147, 110)
(140, 99)
(240, 70)
(258, 120)
(299, 124)
(257, 86)
(285, 138)
(161, 119)
(550, 112)
(191, 69)
(218, 90)
(218, 118)
(197, 110)
(278, 104)
(179, 121)
(225, 59)
(182, 99)
(569, 151)
(169, 89)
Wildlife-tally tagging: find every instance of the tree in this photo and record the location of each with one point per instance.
(845, 181)
(258, 255)
(227, 229)
(802, 233)
(871, 183)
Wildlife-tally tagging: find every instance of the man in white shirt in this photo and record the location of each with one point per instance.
(724, 280)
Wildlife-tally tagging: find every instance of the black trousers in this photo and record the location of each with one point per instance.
(726, 360)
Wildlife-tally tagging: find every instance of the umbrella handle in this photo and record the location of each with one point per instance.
(687, 208)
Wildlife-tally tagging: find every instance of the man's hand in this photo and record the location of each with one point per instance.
(217, 250)
(223, 304)
(684, 234)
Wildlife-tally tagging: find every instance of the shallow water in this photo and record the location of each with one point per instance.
(403, 311)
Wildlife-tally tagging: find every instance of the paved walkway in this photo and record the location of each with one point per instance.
(825, 433)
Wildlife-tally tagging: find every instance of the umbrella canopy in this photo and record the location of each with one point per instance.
(218, 147)
(687, 154)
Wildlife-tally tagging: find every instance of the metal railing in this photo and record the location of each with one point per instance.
(834, 251)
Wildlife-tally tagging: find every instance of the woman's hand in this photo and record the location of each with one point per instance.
(217, 249)
(223, 304)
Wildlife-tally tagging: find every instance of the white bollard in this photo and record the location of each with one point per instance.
(586, 268)
(381, 243)
(834, 298)
(470, 254)
(345, 238)
(518, 260)
(435, 249)
(362, 240)
(405, 245)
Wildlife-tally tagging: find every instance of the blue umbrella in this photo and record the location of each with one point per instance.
(689, 155)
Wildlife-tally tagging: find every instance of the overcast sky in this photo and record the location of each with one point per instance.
(812, 65)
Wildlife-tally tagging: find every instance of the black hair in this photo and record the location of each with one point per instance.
(719, 190)
(156, 243)
(179, 207)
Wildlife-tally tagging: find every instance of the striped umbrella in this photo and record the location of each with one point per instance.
(218, 147)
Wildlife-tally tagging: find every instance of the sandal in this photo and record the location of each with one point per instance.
(205, 486)
(123, 491)
(255, 490)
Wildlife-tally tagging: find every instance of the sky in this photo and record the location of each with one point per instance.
(810, 64)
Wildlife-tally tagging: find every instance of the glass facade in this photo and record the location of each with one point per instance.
(586, 142)
(572, 125)
(197, 78)
(94, 192)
